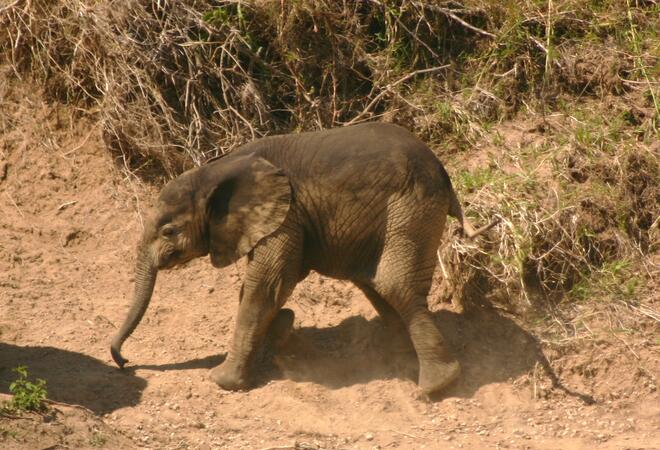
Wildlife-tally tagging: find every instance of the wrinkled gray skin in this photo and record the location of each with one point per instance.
(365, 203)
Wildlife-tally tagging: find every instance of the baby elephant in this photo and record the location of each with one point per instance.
(365, 203)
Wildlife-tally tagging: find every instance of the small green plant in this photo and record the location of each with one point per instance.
(582, 290)
(619, 279)
(498, 139)
(97, 440)
(8, 433)
(28, 396)
(475, 179)
(217, 16)
(231, 16)
(614, 278)
(585, 137)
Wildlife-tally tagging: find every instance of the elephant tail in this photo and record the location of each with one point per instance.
(455, 210)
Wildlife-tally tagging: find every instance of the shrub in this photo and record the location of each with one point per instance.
(27, 395)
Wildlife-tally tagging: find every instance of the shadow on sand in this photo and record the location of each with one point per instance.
(72, 377)
(490, 347)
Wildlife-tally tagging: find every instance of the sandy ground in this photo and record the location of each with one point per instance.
(69, 222)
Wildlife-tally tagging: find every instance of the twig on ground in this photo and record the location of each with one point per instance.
(627, 346)
(11, 199)
(66, 204)
(442, 266)
(13, 417)
(69, 405)
(405, 434)
(451, 14)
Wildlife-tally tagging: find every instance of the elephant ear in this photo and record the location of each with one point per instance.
(250, 203)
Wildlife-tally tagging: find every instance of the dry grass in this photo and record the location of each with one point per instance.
(178, 82)
(579, 221)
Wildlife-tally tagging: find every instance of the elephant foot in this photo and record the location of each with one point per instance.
(280, 328)
(437, 375)
(229, 377)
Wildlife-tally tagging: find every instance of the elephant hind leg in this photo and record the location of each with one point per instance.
(396, 336)
(404, 279)
(437, 367)
(389, 315)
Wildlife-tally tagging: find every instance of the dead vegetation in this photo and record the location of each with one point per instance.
(174, 83)
(560, 239)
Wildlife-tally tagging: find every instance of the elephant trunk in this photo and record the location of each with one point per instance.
(145, 279)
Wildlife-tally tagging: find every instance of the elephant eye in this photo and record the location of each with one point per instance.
(168, 230)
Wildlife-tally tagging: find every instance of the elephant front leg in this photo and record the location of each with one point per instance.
(274, 269)
(255, 313)
(270, 279)
(233, 374)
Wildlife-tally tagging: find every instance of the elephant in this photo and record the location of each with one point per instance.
(365, 203)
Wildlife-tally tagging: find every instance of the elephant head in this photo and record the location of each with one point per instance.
(222, 209)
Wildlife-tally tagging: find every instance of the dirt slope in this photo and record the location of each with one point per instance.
(69, 222)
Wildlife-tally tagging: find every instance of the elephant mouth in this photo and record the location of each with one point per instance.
(170, 260)
(173, 259)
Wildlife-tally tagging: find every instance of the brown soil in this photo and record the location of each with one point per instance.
(69, 223)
